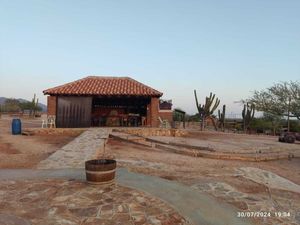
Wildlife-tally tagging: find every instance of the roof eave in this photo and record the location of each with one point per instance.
(81, 94)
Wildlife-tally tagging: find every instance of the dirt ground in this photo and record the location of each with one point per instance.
(188, 169)
(219, 178)
(19, 151)
(234, 143)
(223, 179)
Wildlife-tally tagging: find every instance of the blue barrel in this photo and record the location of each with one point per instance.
(16, 126)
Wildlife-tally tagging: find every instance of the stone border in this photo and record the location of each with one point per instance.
(148, 131)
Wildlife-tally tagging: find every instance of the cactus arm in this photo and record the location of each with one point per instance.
(215, 106)
(253, 111)
(197, 103)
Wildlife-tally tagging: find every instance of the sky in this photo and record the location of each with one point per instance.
(228, 47)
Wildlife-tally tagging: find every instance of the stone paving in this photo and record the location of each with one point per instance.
(272, 202)
(55, 201)
(73, 155)
(268, 178)
(193, 205)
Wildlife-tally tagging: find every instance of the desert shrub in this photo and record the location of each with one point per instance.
(294, 125)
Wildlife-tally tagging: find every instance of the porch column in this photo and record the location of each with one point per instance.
(51, 105)
(148, 116)
(154, 104)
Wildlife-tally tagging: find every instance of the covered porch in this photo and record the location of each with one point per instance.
(119, 111)
(101, 111)
(104, 101)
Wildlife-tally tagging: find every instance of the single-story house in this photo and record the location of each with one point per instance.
(104, 101)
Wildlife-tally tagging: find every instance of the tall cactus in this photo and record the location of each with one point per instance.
(248, 115)
(208, 108)
(34, 105)
(222, 118)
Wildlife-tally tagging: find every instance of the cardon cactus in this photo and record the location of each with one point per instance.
(221, 116)
(34, 105)
(248, 115)
(207, 109)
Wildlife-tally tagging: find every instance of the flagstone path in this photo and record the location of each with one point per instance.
(73, 155)
(196, 207)
(52, 202)
(73, 201)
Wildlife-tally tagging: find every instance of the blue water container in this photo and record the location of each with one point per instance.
(16, 126)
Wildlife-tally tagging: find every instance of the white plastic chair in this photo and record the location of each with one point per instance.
(164, 123)
(49, 122)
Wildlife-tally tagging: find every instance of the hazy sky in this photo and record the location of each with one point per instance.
(228, 47)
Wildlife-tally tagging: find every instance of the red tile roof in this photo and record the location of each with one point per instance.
(99, 85)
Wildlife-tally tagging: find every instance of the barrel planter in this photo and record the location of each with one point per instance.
(100, 171)
(16, 126)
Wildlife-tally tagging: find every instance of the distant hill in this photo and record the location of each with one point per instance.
(2, 100)
(43, 106)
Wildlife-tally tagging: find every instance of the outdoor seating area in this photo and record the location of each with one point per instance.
(121, 120)
(119, 112)
(49, 122)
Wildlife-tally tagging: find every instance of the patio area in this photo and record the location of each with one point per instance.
(75, 202)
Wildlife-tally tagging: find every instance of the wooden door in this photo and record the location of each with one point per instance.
(73, 111)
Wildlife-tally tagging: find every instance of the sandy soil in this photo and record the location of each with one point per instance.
(188, 169)
(221, 176)
(18, 151)
(233, 143)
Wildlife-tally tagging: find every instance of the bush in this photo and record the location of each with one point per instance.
(294, 125)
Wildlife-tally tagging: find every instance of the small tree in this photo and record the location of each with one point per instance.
(275, 121)
(295, 125)
(260, 125)
(282, 99)
(11, 105)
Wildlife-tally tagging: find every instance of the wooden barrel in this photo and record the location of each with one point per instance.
(100, 171)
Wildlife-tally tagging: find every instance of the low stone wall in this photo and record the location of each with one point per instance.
(145, 132)
(54, 131)
(189, 125)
